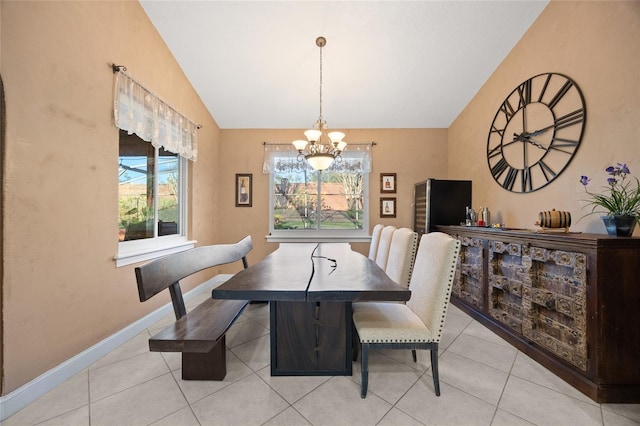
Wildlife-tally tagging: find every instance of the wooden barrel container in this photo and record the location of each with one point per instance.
(554, 219)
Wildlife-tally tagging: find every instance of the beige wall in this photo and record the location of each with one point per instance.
(594, 43)
(242, 151)
(62, 291)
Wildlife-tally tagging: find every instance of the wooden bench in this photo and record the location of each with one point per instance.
(200, 333)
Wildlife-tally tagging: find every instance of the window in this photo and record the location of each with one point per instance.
(155, 143)
(307, 204)
(149, 192)
(151, 196)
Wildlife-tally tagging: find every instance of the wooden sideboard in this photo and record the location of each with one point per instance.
(571, 301)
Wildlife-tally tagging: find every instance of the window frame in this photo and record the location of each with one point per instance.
(134, 251)
(320, 235)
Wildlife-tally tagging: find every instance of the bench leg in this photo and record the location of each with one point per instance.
(205, 366)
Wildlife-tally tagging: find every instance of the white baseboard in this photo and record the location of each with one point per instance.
(29, 392)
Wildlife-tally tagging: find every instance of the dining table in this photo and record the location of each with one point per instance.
(310, 288)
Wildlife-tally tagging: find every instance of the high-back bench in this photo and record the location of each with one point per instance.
(200, 333)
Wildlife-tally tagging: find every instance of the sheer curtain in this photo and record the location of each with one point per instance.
(284, 157)
(137, 110)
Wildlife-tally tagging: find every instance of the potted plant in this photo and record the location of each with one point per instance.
(620, 201)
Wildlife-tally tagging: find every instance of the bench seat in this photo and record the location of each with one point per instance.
(201, 329)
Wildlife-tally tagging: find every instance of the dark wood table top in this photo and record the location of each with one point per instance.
(313, 272)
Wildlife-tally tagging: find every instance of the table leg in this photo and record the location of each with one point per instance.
(311, 338)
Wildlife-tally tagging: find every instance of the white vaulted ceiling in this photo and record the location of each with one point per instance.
(387, 64)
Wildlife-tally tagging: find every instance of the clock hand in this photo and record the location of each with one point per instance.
(518, 138)
(537, 144)
(538, 132)
(524, 137)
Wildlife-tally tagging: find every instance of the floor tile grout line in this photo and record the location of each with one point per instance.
(403, 395)
(88, 405)
(222, 381)
(592, 403)
(284, 399)
(602, 408)
(129, 388)
(89, 395)
(149, 334)
(175, 380)
(513, 363)
(253, 339)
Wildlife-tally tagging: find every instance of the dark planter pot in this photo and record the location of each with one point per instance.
(620, 226)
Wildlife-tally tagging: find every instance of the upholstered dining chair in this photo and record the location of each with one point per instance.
(402, 254)
(375, 239)
(384, 245)
(419, 323)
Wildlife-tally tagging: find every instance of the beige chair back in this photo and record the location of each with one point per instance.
(375, 239)
(432, 279)
(384, 245)
(402, 254)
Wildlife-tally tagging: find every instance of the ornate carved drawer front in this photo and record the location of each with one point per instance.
(468, 282)
(509, 277)
(556, 304)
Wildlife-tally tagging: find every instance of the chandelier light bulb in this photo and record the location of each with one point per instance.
(313, 135)
(300, 145)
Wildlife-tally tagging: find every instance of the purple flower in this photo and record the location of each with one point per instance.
(584, 180)
(612, 181)
(619, 170)
(623, 169)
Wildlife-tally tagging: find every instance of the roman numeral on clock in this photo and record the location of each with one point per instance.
(525, 180)
(507, 109)
(524, 92)
(510, 179)
(499, 168)
(547, 171)
(563, 91)
(570, 119)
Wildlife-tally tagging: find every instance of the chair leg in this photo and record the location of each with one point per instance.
(364, 370)
(355, 343)
(434, 369)
(415, 357)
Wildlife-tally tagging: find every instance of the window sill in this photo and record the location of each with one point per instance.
(128, 256)
(318, 238)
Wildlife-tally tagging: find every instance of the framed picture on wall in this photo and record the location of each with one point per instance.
(244, 189)
(388, 183)
(388, 207)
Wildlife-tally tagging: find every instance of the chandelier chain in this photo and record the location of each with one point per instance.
(320, 118)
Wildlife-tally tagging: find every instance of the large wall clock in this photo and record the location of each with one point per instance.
(536, 132)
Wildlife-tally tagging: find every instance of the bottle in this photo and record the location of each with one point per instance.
(473, 217)
(485, 216)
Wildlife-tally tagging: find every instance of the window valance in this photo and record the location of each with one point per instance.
(137, 110)
(282, 157)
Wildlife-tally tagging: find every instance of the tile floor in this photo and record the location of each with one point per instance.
(484, 381)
